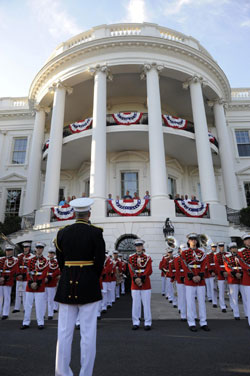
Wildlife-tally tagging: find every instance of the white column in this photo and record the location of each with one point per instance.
(229, 178)
(35, 158)
(53, 169)
(98, 144)
(204, 156)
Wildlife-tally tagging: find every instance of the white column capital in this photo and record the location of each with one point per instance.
(60, 85)
(148, 67)
(193, 80)
(101, 68)
(220, 101)
(37, 107)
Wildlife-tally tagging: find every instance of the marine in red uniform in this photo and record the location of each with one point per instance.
(211, 273)
(21, 278)
(140, 268)
(106, 285)
(181, 290)
(221, 274)
(123, 271)
(244, 259)
(53, 276)
(163, 262)
(36, 278)
(9, 268)
(193, 262)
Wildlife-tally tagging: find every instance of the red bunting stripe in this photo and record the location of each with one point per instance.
(192, 209)
(64, 213)
(174, 122)
(81, 126)
(128, 207)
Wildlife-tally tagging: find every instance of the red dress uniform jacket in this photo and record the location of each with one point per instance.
(107, 270)
(161, 266)
(219, 264)
(196, 263)
(140, 266)
(232, 266)
(53, 273)
(244, 260)
(180, 273)
(37, 272)
(165, 265)
(115, 264)
(210, 265)
(23, 261)
(8, 267)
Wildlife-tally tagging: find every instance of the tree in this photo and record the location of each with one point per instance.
(10, 225)
(245, 216)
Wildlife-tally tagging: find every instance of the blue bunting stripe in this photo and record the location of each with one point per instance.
(128, 207)
(192, 209)
(81, 126)
(174, 122)
(64, 213)
(127, 118)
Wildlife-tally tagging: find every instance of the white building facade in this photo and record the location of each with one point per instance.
(116, 72)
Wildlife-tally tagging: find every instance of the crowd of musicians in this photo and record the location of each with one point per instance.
(190, 275)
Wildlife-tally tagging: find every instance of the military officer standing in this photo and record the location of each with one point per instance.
(140, 267)
(80, 250)
(244, 259)
(221, 274)
(52, 280)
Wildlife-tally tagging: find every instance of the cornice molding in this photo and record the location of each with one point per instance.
(238, 106)
(131, 41)
(14, 115)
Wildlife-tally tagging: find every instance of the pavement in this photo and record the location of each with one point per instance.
(169, 348)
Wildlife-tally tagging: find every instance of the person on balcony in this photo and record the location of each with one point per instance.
(127, 196)
(194, 199)
(136, 197)
(147, 196)
(62, 202)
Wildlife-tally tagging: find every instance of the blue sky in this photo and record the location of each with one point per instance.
(31, 29)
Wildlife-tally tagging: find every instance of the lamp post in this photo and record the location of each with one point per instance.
(168, 228)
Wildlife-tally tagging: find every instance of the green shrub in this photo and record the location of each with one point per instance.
(245, 216)
(10, 225)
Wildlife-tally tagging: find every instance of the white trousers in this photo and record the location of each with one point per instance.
(234, 293)
(109, 294)
(211, 292)
(169, 289)
(113, 287)
(117, 291)
(50, 293)
(247, 299)
(191, 292)
(221, 286)
(123, 287)
(20, 294)
(105, 286)
(6, 300)
(1, 299)
(208, 289)
(181, 296)
(40, 304)
(163, 285)
(141, 297)
(66, 325)
(244, 301)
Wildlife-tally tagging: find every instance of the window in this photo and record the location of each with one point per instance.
(243, 143)
(87, 185)
(19, 150)
(61, 194)
(13, 202)
(171, 187)
(129, 182)
(247, 192)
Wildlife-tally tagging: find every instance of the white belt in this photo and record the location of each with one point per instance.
(139, 270)
(50, 273)
(212, 264)
(222, 266)
(181, 270)
(36, 273)
(23, 267)
(7, 271)
(194, 266)
(173, 270)
(237, 267)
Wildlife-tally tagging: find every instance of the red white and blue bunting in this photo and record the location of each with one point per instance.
(128, 207)
(64, 213)
(127, 118)
(47, 144)
(81, 126)
(174, 122)
(192, 209)
(211, 137)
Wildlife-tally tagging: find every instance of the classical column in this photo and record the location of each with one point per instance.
(229, 178)
(35, 158)
(98, 144)
(204, 156)
(53, 168)
(158, 172)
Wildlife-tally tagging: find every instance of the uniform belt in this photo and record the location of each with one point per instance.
(237, 267)
(194, 266)
(36, 273)
(139, 270)
(222, 266)
(173, 270)
(181, 270)
(79, 263)
(6, 271)
(23, 267)
(212, 264)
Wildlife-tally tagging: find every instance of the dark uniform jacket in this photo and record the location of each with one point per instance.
(80, 242)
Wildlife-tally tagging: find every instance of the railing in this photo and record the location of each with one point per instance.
(132, 207)
(240, 94)
(13, 103)
(127, 30)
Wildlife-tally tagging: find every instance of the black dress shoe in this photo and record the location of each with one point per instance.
(237, 318)
(55, 310)
(163, 294)
(135, 327)
(184, 320)
(147, 327)
(224, 310)
(205, 328)
(193, 328)
(15, 310)
(215, 306)
(50, 317)
(104, 311)
(4, 317)
(40, 327)
(210, 301)
(99, 318)
(109, 306)
(170, 301)
(175, 306)
(77, 326)
(23, 327)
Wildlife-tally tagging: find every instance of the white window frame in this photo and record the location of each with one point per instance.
(13, 138)
(240, 129)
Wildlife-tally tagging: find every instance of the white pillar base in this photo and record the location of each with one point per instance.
(162, 207)
(98, 209)
(218, 211)
(42, 216)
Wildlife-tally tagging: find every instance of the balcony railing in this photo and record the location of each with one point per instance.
(189, 208)
(128, 208)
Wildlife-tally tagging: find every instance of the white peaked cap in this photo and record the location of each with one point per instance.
(9, 247)
(246, 236)
(139, 242)
(82, 204)
(40, 244)
(232, 245)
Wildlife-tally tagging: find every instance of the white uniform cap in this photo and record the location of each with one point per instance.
(232, 245)
(26, 244)
(9, 247)
(82, 204)
(221, 244)
(192, 235)
(51, 249)
(115, 252)
(40, 244)
(245, 236)
(213, 245)
(138, 242)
